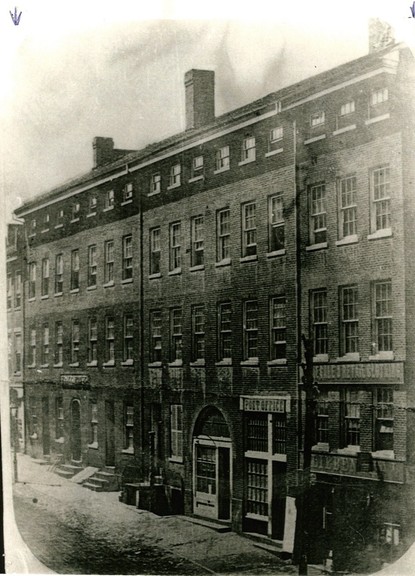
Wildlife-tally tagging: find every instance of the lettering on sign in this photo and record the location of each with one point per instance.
(385, 470)
(75, 381)
(265, 404)
(371, 371)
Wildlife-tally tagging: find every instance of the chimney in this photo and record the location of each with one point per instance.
(380, 35)
(103, 150)
(200, 98)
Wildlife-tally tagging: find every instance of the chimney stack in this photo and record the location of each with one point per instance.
(200, 98)
(103, 150)
(380, 35)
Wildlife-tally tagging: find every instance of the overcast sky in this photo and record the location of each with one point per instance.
(93, 68)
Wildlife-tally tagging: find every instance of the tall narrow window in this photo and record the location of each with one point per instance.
(347, 108)
(278, 336)
(59, 274)
(352, 418)
(251, 330)
(257, 487)
(44, 287)
(384, 418)
(59, 420)
(225, 331)
(129, 427)
(109, 262)
(279, 433)
(127, 194)
(92, 341)
(248, 150)
(109, 200)
(317, 119)
(275, 137)
(75, 342)
(256, 432)
(383, 316)
(276, 223)
(33, 227)
(58, 343)
(32, 280)
(348, 208)
(17, 352)
(9, 290)
(175, 246)
(127, 257)
(92, 265)
(198, 230)
(249, 247)
(175, 175)
(176, 431)
(32, 348)
(198, 336)
(93, 204)
(224, 234)
(17, 289)
(222, 158)
(109, 340)
(45, 345)
(59, 218)
(176, 335)
(75, 270)
(155, 251)
(128, 338)
(94, 423)
(76, 210)
(319, 321)
(46, 221)
(350, 320)
(197, 166)
(378, 96)
(155, 185)
(155, 336)
(322, 424)
(381, 210)
(318, 226)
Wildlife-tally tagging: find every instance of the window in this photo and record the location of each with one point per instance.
(276, 223)
(319, 321)
(109, 261)
(279, 433)
(276, 134)
(257, 432)
(44, 288)
(45, 345)
(92, 204)
(250, 330)
(383, 316)
(59, 274)
(9, 290)
(176, 431)
(58, 343)
(109, 341)
(278, 334)
(128, 338)
(249, 247)
(155, 251)
(322, 423)
(59, 430)
(352, 418)
(317, 119)
(75, 342)
(318, 226)
(33, 226)
(155, 335)
(76, 208)
(197, 166)
(389, 535)
(349, 320)
(92, 341)
(222, 158)
(257, 487)
(129, 427)
(381, 213)
(32, 413)
(225, 331)
(175, 246)
(175, 334)
(17, 352)
(59, 217)
(347, 108)
(198, 230)
(32, 348)
(17, 289)
(94, 423)
(127, 257)
(384, 419)
(198, 336)
(378, 96)
(175, 173)
(32, 280)
(224, 234)
(46, 221)
(75, 270)
(92, 265)
(155, 184)
(109, 200)
(248, 150)
(128, 192)
(347, 204)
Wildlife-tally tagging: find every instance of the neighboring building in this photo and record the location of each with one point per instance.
(167, 291)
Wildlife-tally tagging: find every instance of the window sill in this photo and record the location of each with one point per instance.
(44, 297)
(91, 287)
(155, 275)
(92, 364)
(58, 365)
(17, 373)
(109, 364)
(129, 362)
(154, 365)
(321, 447)
(273, 152)
(174, 272)
(127, 281)
(176, 364)
(314, 139)
(200, 363)
(345, 129)
(352, 450)
(17, 308)
(224, 362)
(32, 235)
(58, 294)
(94, 445)
(91, 214)
(250, 362)
(74, 365)
(154, 193)
(224, 262)
(33, 299)
(259, 517)
(220, 170)
(382, 356)
(109, 284)
(277, 362)
(251, 258)
(173, 186)
(44, 365)
(130, 201)
(352, 357)
(247, 161)
(74, 291)
(348, 240)
(386, 454)
(44, 231)
(32, 366)
(58, 226)
(281, 252)
(176, 459)
(198, 267)
(319, 246)
(377, 119)
(321, 358)
(196, 179)
(385, 233)
(127, 451)
(74, 220)
(108, 208)
(59, 440)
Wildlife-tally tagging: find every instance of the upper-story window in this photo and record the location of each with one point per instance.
(352, 418)
(45, 345)
(92, 341)
(349, 320)
(44, 287)
(32, 347)
(32, 280)
(46, 221)
(250, 327)
(92, 265)
(198, 333)
(17, 352)
(222, 158)
(17, 289)
(176, 334)
(318, 309)
(175, 175)
(347, 108)
(75, 342)
(128, 338)
(278, 325)
(59, 274)
(128, 192)
(347, 207)
(197, 166)
(155, 336)
(155, 251)
(155, 183)
(224, 234)
(109, 261)
(382, 316)
(276, 134)
(9, 290)
(317, 119)
(176, 431)
(381, 201)
(58, 343)
(75, 270)
(109, 200)
(378, 96)
(248, 153)
(127, 257)
(249, 246)
(383, 400)
(276, 222)
(59, 217)
(109, 340)
(76, 210)
(175, 246)
(318, 226)
(225, 331)
(33, 225)
(197, 231)
(93, 203)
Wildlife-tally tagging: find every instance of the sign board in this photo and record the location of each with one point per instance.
(377, 372)
(265, 403)
(75, 381)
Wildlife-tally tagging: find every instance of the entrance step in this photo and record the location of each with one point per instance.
(265, 543)
(104, 480)
(84, 474)
(207, 523)
(41, 461)
(68, 470)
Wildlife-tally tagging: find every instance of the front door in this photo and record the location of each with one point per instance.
(45, 426)
(76, 430)
(109, 434)
(212, 493)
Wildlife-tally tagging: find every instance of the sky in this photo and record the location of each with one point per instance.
(73, 71)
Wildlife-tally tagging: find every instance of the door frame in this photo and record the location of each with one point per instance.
(45, 426)
(109, 433)
(78, 431)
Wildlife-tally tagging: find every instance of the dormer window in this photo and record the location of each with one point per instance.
(128, 192)
(317, 119)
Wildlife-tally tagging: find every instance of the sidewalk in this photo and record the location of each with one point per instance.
(101, 515)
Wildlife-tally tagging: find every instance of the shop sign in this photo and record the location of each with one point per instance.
(388, 372)
(75, 381)
(265, 403)
(385, 470)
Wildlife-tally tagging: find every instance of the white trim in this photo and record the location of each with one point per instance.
(377, 119)
(352, 239)
(196, 178)
(272, 152)
(314, 139)
(319, 246)
(383, 233)
(281, 252)
(345, 129)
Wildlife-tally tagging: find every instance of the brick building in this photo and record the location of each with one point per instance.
(168, 288)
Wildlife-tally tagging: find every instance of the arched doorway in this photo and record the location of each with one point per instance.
(76, 430)
(212, 463)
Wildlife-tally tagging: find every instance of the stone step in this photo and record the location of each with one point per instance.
(92, 486)
(84, 474)
(64, 473)
(207, 523)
